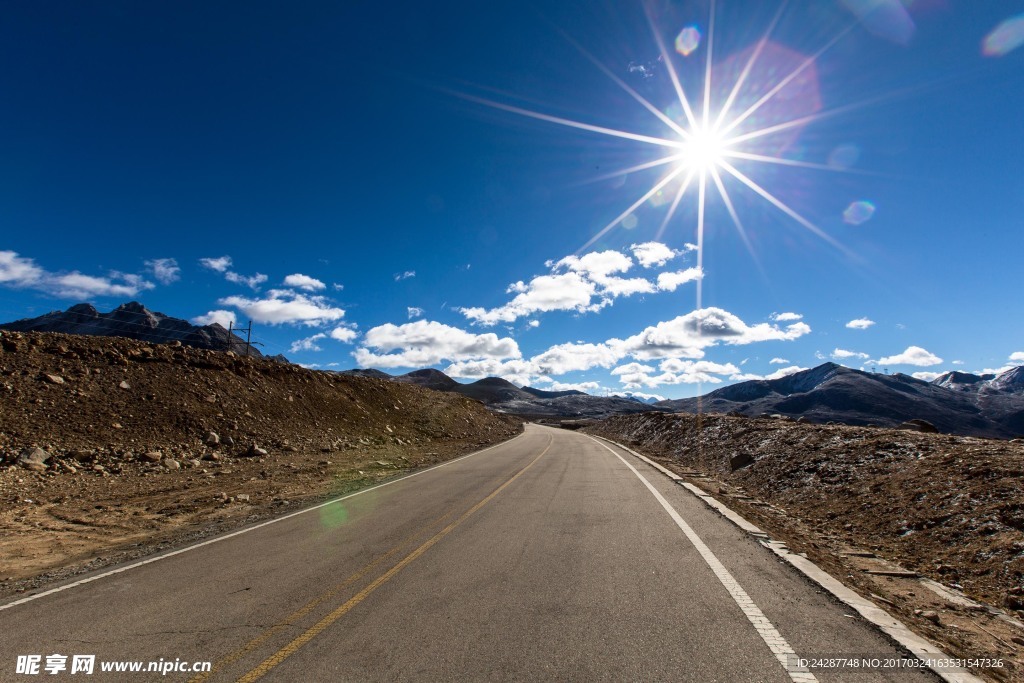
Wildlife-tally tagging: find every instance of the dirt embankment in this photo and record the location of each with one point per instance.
(861, 501)
(110, 445)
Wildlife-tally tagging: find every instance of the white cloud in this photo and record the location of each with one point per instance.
(583, 284)
(534, 323)
(570, 357)
(843, 354)
(1017, 356)
(252, 281)
(285, 306)
(423, 343)
(310, 284)
(860, 324)
(650, 254)
(585, 387)
(784, 317)
(778, 361)
(669, 281)
(519, 372)
(673, 371)
(338, 286)
(75, 285)
(414, 312)
(307, 344)
(914, 355)
(405, 276)
(596, 265)
(564, 292)
(778, 374)
(222, 318)
(219, 264)
(632, 369)
(958, 362)
(345, 335)
(165, 270)
(687, 335)
(640, 395)
(926, 376)
(17, 271)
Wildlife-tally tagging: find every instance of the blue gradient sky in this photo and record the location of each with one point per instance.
(347, 143)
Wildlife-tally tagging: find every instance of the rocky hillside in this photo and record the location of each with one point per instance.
(956, 403)
(134, 321)
(74, 392)
(946, 506)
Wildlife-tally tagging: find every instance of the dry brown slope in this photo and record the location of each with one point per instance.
(99, 406)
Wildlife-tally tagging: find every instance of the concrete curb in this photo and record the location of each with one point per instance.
(889, 625)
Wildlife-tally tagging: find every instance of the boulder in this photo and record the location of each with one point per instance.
(919, 426)
(740, 460)
(254, 451)
(33, 458)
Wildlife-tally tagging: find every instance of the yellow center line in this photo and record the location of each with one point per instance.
(293, 647)
(310, 606)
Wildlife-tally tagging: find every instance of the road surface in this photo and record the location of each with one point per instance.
(552, 556)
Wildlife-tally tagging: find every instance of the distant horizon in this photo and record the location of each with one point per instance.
(608, 393)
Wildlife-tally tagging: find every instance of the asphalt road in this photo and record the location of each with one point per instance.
(545, 558)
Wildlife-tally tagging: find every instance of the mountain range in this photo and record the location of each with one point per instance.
(135, 321)
(956, 402)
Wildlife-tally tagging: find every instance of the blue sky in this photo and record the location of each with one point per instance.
(439, 184)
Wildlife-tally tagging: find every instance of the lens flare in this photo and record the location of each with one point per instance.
(844, 157)
(1007, 36)
(858, 212)
(687, 41)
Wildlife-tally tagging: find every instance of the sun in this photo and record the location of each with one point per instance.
(703, 151)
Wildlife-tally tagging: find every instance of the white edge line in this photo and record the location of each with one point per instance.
(224, 537)
(889, 625)
(781, 649)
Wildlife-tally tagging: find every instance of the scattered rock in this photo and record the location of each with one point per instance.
(152, 456)
(211, 439)
(227, 441)
(54, 379)
(930, 615)
(33, 459)
(242, 498)
(254, 451)
(125, 385)
(740, 460)
(82, 455)
(171, 464)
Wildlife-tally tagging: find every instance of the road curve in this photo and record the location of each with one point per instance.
(550, 557)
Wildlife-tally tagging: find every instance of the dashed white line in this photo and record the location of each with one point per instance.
(769, 634)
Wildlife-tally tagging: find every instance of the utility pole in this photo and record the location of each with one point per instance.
(248, 336)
